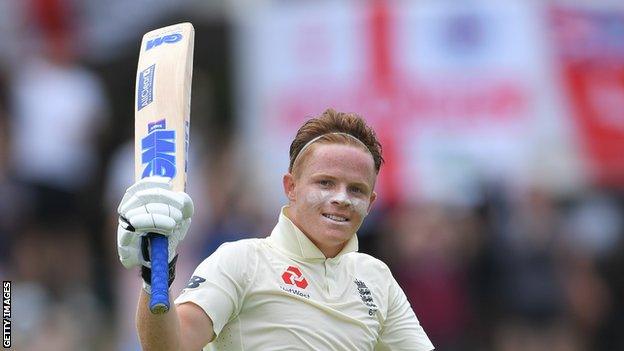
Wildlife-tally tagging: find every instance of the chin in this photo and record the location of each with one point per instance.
(337, 236)
(325, 233)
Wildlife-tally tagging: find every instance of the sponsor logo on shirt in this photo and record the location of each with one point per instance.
(366, 296)
(295, 291)
(293, 276)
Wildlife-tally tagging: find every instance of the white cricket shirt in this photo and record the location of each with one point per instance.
(281, 293)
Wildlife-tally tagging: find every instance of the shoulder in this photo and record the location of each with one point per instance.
(240, 246)
(366, 262)
(372, 276)
(233, 254)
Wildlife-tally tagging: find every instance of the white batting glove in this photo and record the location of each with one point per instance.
(150, 206)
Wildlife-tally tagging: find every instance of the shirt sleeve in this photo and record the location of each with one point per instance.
(401, 329)
(220, 283)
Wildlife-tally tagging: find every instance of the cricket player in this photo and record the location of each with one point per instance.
(305, 286)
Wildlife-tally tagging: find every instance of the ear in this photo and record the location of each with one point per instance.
(289, 186)
(373, 197)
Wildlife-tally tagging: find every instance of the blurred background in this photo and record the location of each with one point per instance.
(500, 205)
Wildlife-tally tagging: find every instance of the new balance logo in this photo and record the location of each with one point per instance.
(194, 282)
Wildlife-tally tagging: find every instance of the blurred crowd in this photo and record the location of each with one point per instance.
(516, 269)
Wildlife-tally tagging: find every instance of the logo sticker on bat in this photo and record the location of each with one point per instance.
(158, 150)
(145, 91)
(169, 39)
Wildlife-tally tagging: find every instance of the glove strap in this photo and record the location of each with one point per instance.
(146, 274)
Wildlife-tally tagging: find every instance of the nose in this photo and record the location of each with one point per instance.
(341, 198)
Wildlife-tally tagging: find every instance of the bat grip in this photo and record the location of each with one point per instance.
(159, 256)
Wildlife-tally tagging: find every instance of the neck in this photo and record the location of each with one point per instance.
(328, 251)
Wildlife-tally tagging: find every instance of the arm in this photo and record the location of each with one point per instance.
(150, 206)
(401, 329)
(185, 327)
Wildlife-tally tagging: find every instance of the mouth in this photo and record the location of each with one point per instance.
(335, 218)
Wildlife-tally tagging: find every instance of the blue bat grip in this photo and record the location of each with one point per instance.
(159, 256)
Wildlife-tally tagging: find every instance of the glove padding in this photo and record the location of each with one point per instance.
(150, 206)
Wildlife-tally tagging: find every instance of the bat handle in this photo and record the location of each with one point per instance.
(159, 254)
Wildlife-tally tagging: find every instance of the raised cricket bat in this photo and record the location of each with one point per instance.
(163, 101)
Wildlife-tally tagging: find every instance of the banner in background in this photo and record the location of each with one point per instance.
(457, 93)
(590, 48)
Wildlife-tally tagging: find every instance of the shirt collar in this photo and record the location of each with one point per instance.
(287, 237)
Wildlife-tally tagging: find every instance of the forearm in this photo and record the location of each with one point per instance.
(150, 206)
(158, 331)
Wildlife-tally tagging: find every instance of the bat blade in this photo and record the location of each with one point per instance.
(162, 121)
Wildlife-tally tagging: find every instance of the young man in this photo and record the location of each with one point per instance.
(305, 287)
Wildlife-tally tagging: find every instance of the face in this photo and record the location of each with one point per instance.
(331, 193)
